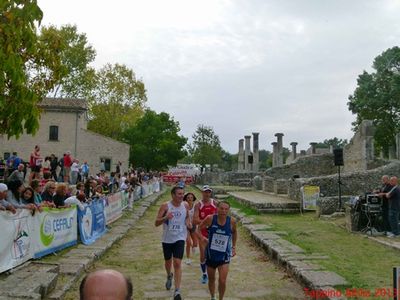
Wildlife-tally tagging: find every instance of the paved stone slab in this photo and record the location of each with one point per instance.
(257, 227)
(298, 265)
(73, 269)
(260, 236)
(318, 279)
(83, 261)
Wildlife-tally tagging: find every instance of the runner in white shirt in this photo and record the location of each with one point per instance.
(174, 216)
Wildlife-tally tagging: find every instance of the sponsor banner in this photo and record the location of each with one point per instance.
(54, 229)
(310, 197)
(184, 170)
(92, 221)
(16, 246)
(113, 207)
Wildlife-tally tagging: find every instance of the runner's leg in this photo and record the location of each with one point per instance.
(211, 280)
(222, 277)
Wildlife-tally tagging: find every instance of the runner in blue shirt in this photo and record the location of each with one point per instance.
(221, 246)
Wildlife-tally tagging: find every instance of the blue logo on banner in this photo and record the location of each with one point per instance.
(92, 222)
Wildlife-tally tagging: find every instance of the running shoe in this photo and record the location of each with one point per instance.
(177, 296)
(188, 261)
(204, 279)
(168, 283)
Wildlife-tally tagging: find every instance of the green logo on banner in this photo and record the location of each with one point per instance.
(46, 232)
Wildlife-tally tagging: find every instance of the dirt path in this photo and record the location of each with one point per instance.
(139, 255)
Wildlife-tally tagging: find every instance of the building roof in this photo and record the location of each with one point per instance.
(63, 104)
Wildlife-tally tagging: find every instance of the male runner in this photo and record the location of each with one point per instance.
(221, 246)
(174, 216)
(205, 207)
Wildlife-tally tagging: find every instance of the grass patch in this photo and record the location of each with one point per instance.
(362, 262)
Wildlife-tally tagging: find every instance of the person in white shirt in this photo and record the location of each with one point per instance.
(74, 171)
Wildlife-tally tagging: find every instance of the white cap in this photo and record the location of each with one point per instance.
(206, 188)
(3, 187)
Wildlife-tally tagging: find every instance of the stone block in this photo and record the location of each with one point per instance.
(258, 227)
(318, 279)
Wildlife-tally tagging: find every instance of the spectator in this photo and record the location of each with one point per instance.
(118, 168)
(53, 166)
(17, 174)
(13, 162)
(14, 195)
(46, 164)
(48, 193)
(85, 170)
(125, 186)
(27, 196)
(106, 185)
(35, 163)
(98, 191)
(105, 284)
(60, 196)
(4, 204)
(74, 171)
(78, 200)
(37, 190)
(61, 165)
(67, 166)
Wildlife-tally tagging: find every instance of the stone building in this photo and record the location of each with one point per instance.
(63, 127)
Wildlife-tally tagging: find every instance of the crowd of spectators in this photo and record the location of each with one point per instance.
(61, 183)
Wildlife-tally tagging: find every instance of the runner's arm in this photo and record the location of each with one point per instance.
(187, 219)
(161, 215)
(234, 236)
(196, 216)
(204, 224)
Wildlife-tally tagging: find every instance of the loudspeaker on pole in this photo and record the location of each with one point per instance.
(338, 156)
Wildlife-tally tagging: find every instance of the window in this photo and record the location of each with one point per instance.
(53, 133)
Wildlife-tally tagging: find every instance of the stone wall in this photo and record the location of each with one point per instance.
(359, 155)
(304, 167)
(356, 183)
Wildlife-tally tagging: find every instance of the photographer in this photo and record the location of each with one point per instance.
(385, 188)
(394, 207)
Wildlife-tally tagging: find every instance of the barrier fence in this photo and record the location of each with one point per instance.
(25, 236)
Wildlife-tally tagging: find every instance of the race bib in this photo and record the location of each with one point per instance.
(219, 242)
(175, 228)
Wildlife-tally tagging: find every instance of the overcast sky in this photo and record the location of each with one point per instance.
(241, 66)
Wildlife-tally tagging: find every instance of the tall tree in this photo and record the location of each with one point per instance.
(155, 143)
(377, 98)
(334, 142)
(116, 102)
(76, 54)
(28, 67)
(206, 147)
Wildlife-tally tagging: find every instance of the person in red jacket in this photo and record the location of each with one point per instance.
(67, 166)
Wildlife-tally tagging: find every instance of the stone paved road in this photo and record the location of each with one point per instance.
(139, 256)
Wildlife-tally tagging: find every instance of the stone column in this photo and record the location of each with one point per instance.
(313, 147)
(247, 152)
(274, 154)
(294, 150)
(255, 152)
(398, 145)
(241, 156)
(279, 148)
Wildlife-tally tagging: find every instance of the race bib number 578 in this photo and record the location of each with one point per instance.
(219, 242)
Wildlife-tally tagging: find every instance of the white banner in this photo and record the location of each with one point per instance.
(113, 207)
(16, 246)
(54, 229)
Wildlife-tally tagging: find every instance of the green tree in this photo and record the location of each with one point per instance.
(265, 159)
(76, 55)
(206, 147)
(155, 143)
(28, 67)
(116, 102)
(377, 98)
(335, 142)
